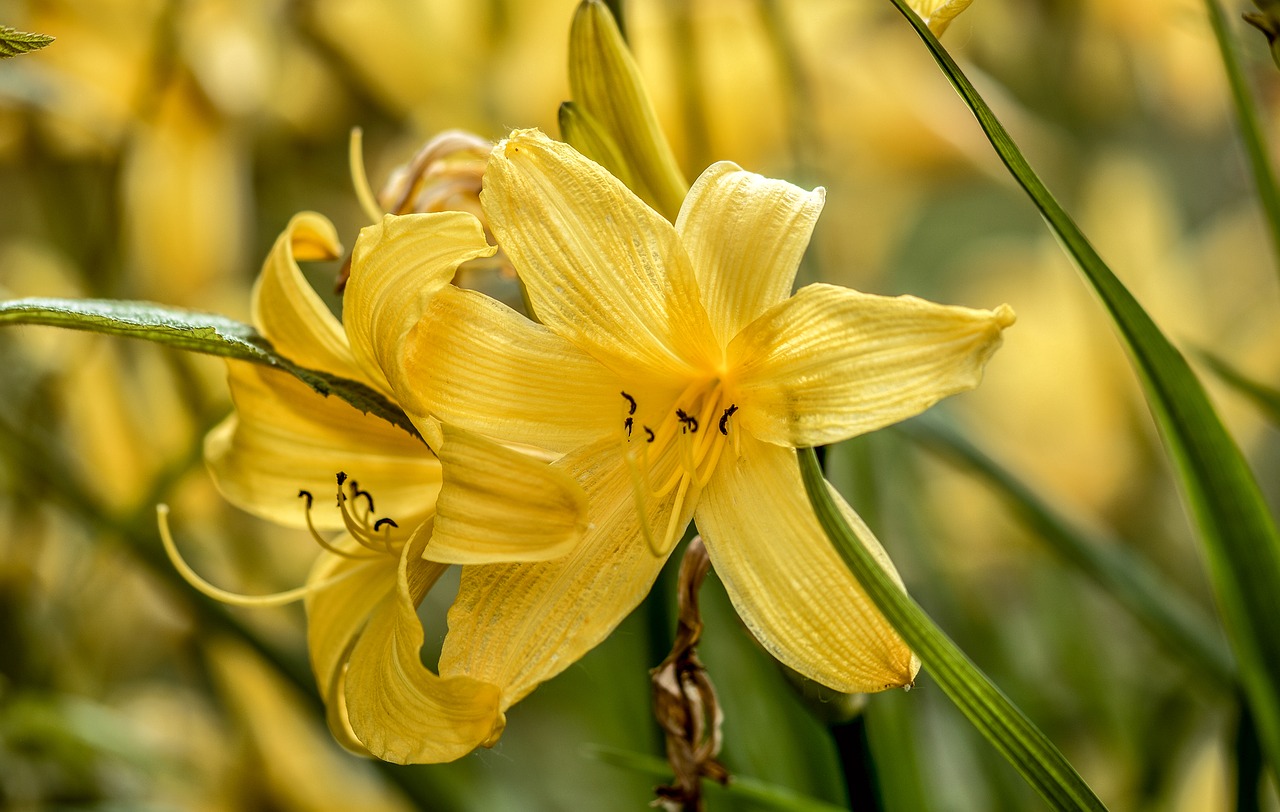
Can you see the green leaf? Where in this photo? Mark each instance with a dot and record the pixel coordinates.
(1170, 616)
(196, 332)
(1251, 131)
(1236, 530)
(990, 711)
(607, 86)
(740, 787)
(1266, 398)
(14, 42)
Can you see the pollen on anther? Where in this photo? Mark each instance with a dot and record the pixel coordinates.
(627, 424)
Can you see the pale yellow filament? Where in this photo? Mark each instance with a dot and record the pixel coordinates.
(233, 598)
(359, 179)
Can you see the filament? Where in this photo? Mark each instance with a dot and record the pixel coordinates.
(359, 179)
(234, 598)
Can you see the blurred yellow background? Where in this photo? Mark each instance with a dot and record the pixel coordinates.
(156, 149)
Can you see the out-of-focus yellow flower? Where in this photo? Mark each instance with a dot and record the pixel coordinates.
(676, 378)
(285, 442)
(938, 14)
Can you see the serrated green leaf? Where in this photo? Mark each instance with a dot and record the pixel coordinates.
(990, 711)
(740, 787)
(14, 42)
(195, 332)
(1236, 530)
(1168, 614)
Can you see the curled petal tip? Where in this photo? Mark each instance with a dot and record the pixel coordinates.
(1005, 317)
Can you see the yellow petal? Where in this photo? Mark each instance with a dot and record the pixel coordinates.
(291, 314)
(501, 506)
(831, 363)
(396, 267)
(745, 235)
(401, 710)
(475, 362)
(336, 615)
(787, 581)
(601, 268)
(519, 625)
(606, 83)
(938, 14)
(285, 437)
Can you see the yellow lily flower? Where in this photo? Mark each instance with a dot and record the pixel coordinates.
(675, 377)
(282, 448)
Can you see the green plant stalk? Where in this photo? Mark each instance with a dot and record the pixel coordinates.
(740, 788)
(998, 719)
(1250, 126)
(1167, 613)
(1235, 528)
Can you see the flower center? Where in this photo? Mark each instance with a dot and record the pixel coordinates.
(699, 423)
(374, 536)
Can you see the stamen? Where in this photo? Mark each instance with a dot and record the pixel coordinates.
(627, 424)
(669, 537)
(724, 418)
(649, 434)
(639, 492)
(359, 179)
(689, 423)
(631, 403)
(378, 525)
(321, 540)
(233, 598)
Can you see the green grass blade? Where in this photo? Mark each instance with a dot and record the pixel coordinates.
(740, 788)
(1265, 398)
(999, 720)
(1235, 528)
(196, 332)
(1251, 133)
(1170, 616)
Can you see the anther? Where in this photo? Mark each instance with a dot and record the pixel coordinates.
(724, 418)
(356, 493)
(627, 424)
(690, 423)
(384, 521)
(631, 403)
(342, 477)
(649, 436)
(305, 494)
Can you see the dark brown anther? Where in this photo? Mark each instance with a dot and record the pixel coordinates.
(384, 521)
(305, 494)
(649, 436)
(631, 403)
(684, 700)
(690, 423)
(724, 418)
(627, 424)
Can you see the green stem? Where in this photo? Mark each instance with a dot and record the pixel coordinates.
(990, 711)
(1250, 126)
(1235, 528)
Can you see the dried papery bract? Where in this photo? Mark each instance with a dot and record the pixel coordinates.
(684, 699)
